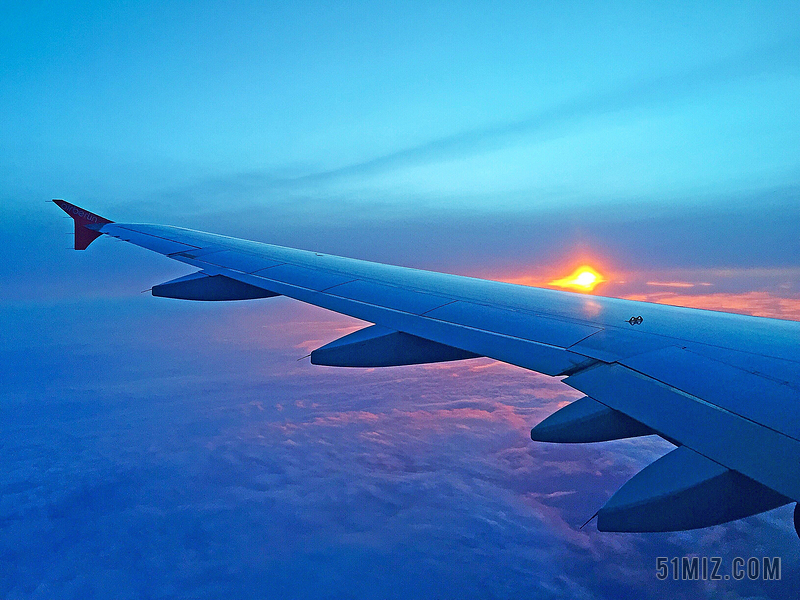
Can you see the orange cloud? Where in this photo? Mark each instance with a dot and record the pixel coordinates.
(758, 304)
(676, 284)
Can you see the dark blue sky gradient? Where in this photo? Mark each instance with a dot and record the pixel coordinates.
(155, 448)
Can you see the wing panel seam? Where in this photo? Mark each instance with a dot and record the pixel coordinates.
(159, 237)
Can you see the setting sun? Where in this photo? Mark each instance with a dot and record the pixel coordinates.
(584, 278)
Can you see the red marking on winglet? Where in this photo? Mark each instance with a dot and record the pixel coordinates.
(87, 224)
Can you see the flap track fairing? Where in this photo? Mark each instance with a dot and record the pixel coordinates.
(381, 347)
(587, 420)
(684, 490)
(202, 286)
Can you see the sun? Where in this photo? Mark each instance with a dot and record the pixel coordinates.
(584, 278)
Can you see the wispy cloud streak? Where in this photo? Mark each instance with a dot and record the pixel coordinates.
(643, 92)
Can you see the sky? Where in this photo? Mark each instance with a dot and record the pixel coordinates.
(155, 448)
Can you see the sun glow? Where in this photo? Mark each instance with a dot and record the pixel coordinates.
(584, 278)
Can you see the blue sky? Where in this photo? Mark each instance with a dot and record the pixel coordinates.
(428, 104)
(474, 137)
(153, 447)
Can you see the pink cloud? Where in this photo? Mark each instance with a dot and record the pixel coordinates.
(759, 304)
(677, 284)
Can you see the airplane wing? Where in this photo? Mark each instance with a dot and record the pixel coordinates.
(723, 388)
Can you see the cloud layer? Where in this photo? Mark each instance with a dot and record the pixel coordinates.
(181, 449)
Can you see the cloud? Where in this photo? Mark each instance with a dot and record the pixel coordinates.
(759, 304)
(676, 284)
(166, 467)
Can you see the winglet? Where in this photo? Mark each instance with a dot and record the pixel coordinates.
(87, 225)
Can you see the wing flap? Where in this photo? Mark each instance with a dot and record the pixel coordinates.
(756, 398)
